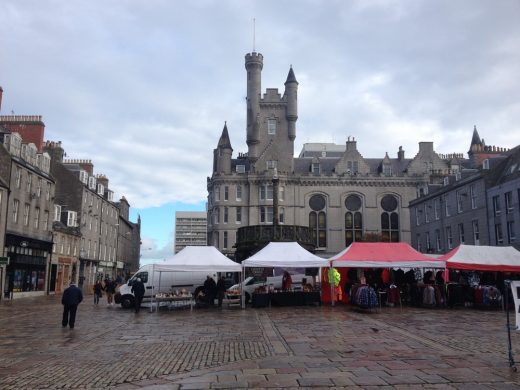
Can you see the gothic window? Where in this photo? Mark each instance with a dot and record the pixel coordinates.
(353, 220)
(318, 220)
(389, 219)
(271, 126)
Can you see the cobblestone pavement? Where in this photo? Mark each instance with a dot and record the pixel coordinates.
(298, 347)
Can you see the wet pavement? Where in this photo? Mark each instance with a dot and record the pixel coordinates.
(296, 347)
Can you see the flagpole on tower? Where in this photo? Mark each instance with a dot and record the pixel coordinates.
(254, 37)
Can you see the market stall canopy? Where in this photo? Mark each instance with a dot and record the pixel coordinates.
(384, 255)
(483, 258)
(198, 258)
(285, 255)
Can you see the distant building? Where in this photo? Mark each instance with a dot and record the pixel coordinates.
(190, 229)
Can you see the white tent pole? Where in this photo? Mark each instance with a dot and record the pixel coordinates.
(242, 294)
(152, 297)
(331, 281)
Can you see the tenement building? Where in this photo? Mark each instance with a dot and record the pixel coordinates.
(476, 205)
(28, 208)
(334, 190)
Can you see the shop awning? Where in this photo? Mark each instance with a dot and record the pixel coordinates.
(384, 255)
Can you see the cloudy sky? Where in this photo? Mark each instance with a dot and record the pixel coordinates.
(143, 87)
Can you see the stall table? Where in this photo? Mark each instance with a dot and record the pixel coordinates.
(286, 298)
(176, 302)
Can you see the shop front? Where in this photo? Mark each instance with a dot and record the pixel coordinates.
(26, 274)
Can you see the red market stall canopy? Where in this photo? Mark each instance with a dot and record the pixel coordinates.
(483, 258)
(384, 255)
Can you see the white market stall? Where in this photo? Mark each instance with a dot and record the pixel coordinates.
(483, 258)
(283, 255)
(195, 259)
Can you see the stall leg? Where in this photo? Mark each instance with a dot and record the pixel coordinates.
(512, 364)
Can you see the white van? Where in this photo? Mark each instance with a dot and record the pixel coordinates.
(164, 282)
(251, 283)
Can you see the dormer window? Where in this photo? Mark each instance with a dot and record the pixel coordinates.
(271, 164)
(485, 164)
(387, 170)
(83, 177)
(92, 183)
(446, 181)
(101, 189)
(72, 218)
(271, 126)
(110, 196)
(315, 168)
(241, 168)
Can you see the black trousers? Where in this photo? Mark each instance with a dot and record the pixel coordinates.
(69, 315)
(138, 301)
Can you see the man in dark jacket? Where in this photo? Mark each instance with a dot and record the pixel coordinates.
(138, 291)
(72, 296)
(210, 290)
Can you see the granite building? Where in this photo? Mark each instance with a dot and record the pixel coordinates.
(334, 190)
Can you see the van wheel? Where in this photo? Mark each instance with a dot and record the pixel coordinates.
(198, 290)
(127, 302)
(248, 297)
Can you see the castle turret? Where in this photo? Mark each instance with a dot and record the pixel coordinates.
(254, 64)
(291, 94)
(222, 154)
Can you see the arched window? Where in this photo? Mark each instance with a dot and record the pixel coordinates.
(389, 219)
(353, 220)
(318, 220)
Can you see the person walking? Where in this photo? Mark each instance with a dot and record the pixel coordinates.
(138, 291)
(110, 288)
(72, 297)
(98, 291)
(221, 290)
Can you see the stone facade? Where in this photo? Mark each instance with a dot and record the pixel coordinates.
(477, 206)
(333, 189)
(28, 234)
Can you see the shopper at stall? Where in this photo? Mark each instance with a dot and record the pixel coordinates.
(138, 291)
(286, 281)
(72, 296)
(221, 290)
(98, 291)
(210, 290)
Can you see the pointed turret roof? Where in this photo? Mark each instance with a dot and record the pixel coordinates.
(475, 140)
(224, 141)
(291, 78)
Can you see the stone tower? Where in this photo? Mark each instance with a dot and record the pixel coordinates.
(271, 120)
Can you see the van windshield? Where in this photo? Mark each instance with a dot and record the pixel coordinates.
(142, 275)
